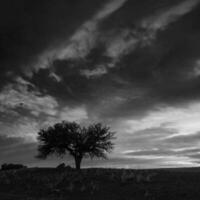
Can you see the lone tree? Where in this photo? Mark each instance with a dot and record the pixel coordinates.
(79, 142)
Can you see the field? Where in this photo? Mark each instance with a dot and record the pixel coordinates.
(100, 184)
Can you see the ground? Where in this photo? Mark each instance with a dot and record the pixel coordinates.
(100, 184)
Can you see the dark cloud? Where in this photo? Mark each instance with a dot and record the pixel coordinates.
(161, 71)
(165, 68)
(29, 27)
(141, 9)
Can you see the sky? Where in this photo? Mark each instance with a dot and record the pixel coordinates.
(132, 65)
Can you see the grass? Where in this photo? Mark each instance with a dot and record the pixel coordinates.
(100, 184)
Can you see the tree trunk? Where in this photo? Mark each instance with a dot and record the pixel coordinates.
(78, 162)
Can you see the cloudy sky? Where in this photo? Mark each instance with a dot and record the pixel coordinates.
(133, 65)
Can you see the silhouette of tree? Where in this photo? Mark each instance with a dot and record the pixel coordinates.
(79, 142)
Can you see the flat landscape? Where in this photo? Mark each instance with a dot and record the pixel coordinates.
(100, 184)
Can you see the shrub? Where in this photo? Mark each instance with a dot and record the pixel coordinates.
(11, 166)
(68, 167)
(61, 166)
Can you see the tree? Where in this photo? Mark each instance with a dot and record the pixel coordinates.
(79, 142)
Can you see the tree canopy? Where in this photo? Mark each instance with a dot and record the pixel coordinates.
(69, 137)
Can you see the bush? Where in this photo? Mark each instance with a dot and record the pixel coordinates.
(61, 166)
(11, 166)
(68, 167)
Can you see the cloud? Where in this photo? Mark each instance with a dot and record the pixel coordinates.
(84, 39)
(128, 39)
(30, 28)
(8, 142)
(183, 120)
(195, 72)
(122, 43)
(12, 150)
(25, 128)
(187, 152)
(73, 114)
(55, 77)
(79, 44)
(20, 95)
(170, 157)
(163, 18)
(192, 139)
(97, 72)
(164, 134)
